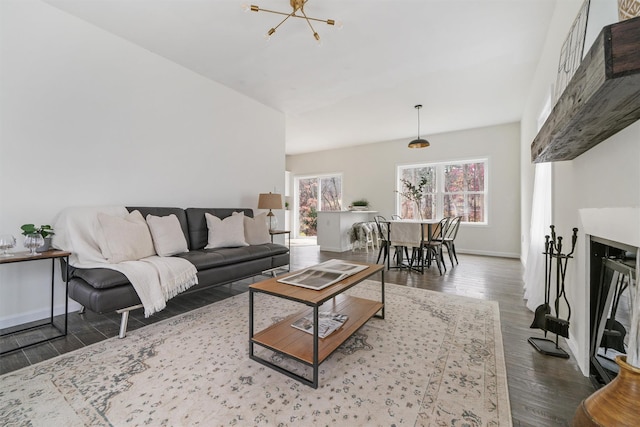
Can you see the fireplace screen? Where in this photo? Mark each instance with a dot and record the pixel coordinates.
(612, 278)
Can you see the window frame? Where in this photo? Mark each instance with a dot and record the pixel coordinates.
(440, 185)
(295, 219)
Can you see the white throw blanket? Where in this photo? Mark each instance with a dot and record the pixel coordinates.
(405, 233)
(155, 279)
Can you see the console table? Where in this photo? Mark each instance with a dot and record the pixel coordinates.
(53, 255)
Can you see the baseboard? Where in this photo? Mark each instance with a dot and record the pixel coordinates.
(32, 316)
(488, 253)
(332, 249)
(460, 251)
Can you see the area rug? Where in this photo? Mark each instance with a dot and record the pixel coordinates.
(435, 360)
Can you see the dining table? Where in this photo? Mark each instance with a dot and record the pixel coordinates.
(410, 233)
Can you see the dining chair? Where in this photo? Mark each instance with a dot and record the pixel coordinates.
(361, 235)
(375, 234)
(383, 232)
(450, 237)
(433, 244)
(401, 253)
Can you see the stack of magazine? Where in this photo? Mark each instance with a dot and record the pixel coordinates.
(328, 322)
(322, 275)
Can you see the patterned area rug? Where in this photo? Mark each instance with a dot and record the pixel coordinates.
(436, 360)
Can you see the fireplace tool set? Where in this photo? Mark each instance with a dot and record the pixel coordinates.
(543, 317)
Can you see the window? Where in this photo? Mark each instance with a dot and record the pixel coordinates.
(329, 188)
(417, 178)
(444, 189)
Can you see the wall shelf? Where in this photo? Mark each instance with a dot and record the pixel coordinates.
(602, 98)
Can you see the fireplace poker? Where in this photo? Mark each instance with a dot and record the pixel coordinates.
(555, 324)
(543, 309)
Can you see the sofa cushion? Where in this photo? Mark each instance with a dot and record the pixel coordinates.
(210, 258)
(198, 231)
(256, 230)
(103, 300)
(165, 211)
(124, 238)
(225, 233)
(167, 235)
(101, 278)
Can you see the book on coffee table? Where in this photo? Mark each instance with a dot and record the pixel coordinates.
(328, 322)
(322, 275)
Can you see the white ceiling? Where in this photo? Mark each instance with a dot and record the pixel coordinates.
(468, 62)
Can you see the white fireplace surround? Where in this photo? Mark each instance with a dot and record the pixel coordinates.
(616, 224)
(620, 224)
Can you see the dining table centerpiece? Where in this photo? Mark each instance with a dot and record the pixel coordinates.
(414, 192)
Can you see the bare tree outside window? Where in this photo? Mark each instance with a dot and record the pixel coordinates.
(418, 193)
(317, 192)
(464, 191)
(331, 193)
(447, 189)
(307, 206)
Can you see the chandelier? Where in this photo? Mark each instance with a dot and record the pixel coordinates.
(298, 7)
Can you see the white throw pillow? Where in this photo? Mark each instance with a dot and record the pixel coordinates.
(125, 238)
(225, 233)
(256, 230)
(168, 238)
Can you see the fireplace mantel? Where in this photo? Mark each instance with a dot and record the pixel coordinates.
(602, 98)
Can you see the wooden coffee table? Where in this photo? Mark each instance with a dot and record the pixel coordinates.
(304, 347)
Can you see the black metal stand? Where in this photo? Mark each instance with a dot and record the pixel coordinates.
(553, 323)
(548, 347)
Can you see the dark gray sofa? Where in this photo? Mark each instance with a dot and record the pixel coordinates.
(103, 290)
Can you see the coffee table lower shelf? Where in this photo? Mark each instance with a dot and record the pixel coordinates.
(299, 345)
(284, 338)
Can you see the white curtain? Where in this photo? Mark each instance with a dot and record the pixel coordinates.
(633, 353)
(540, 221)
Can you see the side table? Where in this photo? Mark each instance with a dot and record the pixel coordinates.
(53, 255)
(277, 232)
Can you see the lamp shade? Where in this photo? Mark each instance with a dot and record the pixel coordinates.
(419, 143)
(270, 201)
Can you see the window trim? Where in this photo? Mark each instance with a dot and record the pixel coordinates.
(295, 208)
(439, 172)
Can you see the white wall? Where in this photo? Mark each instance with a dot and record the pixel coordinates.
(605, 176)
(369, 171)
(88, 118)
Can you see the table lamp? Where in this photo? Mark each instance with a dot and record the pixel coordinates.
(270, 201)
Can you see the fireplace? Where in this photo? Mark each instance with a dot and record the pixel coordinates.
(612, 269)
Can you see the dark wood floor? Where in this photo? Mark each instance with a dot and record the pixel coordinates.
(544, 391)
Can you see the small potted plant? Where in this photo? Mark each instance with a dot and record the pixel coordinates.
(360, 205)
(46, 231)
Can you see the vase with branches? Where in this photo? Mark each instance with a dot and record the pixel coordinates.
(414, 192)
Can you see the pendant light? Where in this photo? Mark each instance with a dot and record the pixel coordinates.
(419, 142)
